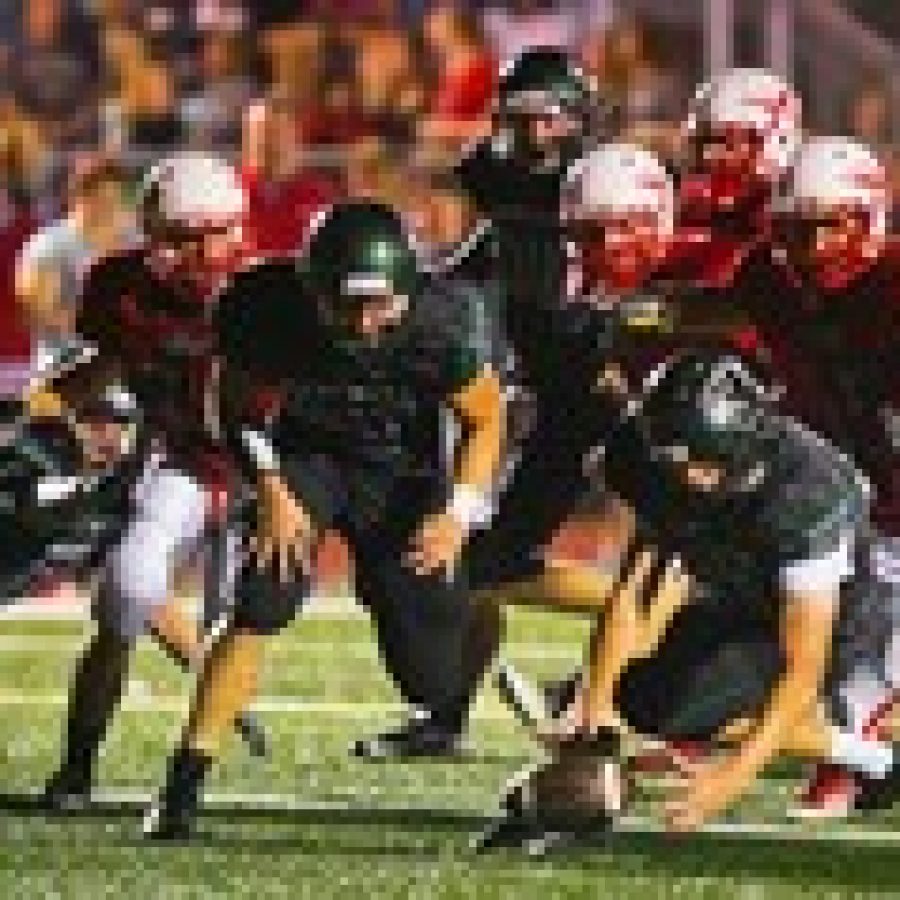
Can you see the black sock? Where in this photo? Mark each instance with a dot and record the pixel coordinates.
(185, 777)
(96, 691)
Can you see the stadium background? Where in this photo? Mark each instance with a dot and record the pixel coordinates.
(316, 99)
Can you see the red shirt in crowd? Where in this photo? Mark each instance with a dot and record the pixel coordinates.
(466, 92)
(279, 212)
(15, 344)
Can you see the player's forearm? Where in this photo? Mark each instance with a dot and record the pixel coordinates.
(806, 641)
(484, 419)
(789, 701)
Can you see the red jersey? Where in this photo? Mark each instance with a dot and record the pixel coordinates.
(836, 354)
(279, 213)
(158, 333)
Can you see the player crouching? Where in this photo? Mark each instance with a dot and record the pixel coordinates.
(372, 356)
(767, 519)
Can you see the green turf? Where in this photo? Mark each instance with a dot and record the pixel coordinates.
(326, 826)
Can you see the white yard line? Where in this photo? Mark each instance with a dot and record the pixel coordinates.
(171, 704)
(281, 802)
(361, 648)
(76, 607)
(134, 702)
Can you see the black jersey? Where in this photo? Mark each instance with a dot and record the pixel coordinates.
(375, 406)
(806, 498)
(521, 246)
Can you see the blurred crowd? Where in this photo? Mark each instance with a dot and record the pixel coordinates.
(311, 97)
(357, 86)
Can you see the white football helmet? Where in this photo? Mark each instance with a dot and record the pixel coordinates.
(754, 98)
(621, 178)
(837, 171)
(194, 190)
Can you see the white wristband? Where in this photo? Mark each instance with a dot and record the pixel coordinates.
(470, 506)
(260, 449)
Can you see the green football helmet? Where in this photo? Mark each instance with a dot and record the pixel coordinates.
(543, 78)
(360, 250)
(544, 82)
(707, 407)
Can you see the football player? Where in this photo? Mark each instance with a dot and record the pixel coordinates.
(741, 134)
(763, 521)
(146, 312)
(547, 113)
(372, 356)
(831, 336)
(614, 322)
(618, 210)
(64, 483)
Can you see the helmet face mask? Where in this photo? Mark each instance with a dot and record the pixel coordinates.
(618, 249)
(364, 315)
(819, 241)
(543, 135)
(196, 254)
(726, 151)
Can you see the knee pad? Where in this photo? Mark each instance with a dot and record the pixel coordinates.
(264, 605)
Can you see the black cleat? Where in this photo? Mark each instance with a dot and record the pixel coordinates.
(254, 735)
(878, 793)
(69, 790)
(417, 739)
(172, 815)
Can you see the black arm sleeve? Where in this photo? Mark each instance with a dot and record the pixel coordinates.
(263, 318)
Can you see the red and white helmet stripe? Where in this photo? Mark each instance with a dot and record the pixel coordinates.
(195, 189)
(621, 178)
(757, 99)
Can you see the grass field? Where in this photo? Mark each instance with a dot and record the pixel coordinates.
(312, 823)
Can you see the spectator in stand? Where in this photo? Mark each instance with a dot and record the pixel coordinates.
(465, 75)
(629, 61)
(25, 154)
(144, 119)
(15, 345)
(282, 194)
(53, 262)
(389, 88)
(517, 25)
(53, 68)
(291, 44)
(222, 90)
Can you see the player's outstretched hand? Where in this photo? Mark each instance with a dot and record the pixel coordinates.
(436, 545)
(284, 532)
(705, 789)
